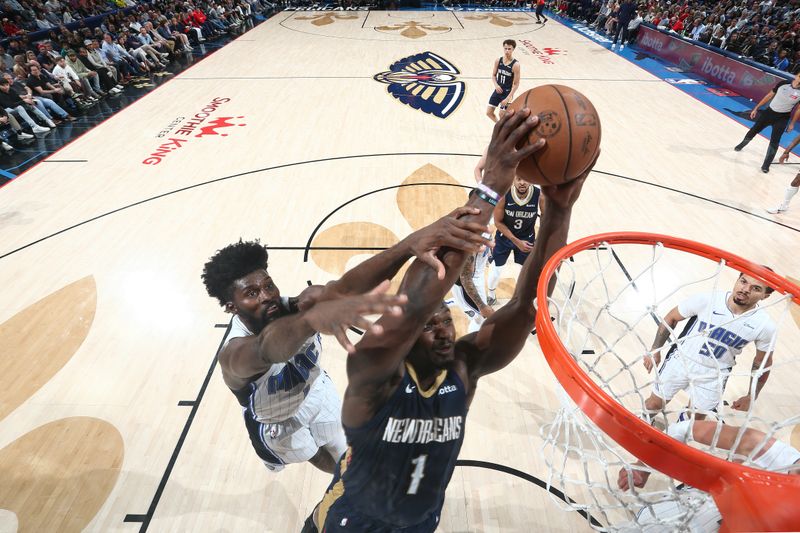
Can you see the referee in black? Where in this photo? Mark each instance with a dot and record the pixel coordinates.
(782, 99)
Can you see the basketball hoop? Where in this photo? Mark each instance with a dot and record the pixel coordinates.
(594, 294)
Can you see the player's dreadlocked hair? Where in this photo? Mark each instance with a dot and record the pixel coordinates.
(231, 263)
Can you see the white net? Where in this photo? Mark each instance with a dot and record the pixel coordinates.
(608, 305)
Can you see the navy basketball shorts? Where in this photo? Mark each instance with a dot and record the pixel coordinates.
(344, 518)
(495, 99)
(503, 248)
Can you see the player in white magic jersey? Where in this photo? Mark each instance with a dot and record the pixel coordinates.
(720, 325)
(774, 455)
(469, 291)
(270, 358)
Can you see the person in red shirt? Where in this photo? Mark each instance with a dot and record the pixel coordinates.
(677, 27)
(9, 28)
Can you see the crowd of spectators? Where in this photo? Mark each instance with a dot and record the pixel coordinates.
(48, 77)
(765, 31)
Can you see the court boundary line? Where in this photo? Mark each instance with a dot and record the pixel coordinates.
(532, 30)
(360, 156)
(145, 519)
(458, 20)
(532, 479)
(481, 78)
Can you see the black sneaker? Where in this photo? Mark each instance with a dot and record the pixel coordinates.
(765, 170)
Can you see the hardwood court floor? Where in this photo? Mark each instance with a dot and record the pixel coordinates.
(107, 334)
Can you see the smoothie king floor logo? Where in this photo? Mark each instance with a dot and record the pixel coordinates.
(426, 82)
(183, 130)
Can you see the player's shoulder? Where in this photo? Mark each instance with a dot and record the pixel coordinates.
(761, 314)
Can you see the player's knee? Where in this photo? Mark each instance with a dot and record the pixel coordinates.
(653, 403)
(750, 440)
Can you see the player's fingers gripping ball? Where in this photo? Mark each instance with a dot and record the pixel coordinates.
(571, 126)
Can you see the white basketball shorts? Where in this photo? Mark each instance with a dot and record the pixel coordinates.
(468, 306)
(317, 424)
(704, 382)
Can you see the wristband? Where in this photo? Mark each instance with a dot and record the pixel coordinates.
(488, 192)
(486, 198)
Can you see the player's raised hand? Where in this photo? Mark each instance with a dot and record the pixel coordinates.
(503, 156)
(448, 232)
(742, 404)
(334, 317)
(566, 194)
(652, 360)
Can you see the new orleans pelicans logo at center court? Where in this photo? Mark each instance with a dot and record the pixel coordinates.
(426, 82)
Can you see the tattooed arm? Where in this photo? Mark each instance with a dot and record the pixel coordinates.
(664, 329)
(468, 283)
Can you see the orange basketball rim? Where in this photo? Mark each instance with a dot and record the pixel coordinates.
(746, 497)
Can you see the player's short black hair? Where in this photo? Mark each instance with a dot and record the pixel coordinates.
(512, 42)
(233, 262)
(767, 288)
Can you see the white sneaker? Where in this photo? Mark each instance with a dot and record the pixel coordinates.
(7, 147)
(777, 210)
(613, 47)
(51, 124)
(40, 129)
(621, 47)
(23, 135)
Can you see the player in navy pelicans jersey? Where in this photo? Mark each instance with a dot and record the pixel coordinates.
(505, 74)
(270, 358)
(515, 217)
(409, 390)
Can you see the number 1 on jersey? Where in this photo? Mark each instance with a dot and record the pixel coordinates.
(417, 474)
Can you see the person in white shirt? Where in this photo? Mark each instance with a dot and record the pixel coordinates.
(70, 81)
(697, 29)
(720, 325)
(633, 26)
(117, 55)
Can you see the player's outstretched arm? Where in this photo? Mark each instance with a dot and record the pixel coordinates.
(423, 244)
(665, 328)
(503, 335)
(246, 357)
(378, 358)
(468, 283)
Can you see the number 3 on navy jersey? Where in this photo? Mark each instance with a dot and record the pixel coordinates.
(417, 474)
(518, 224)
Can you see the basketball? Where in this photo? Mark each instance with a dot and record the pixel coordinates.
(571, 128)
